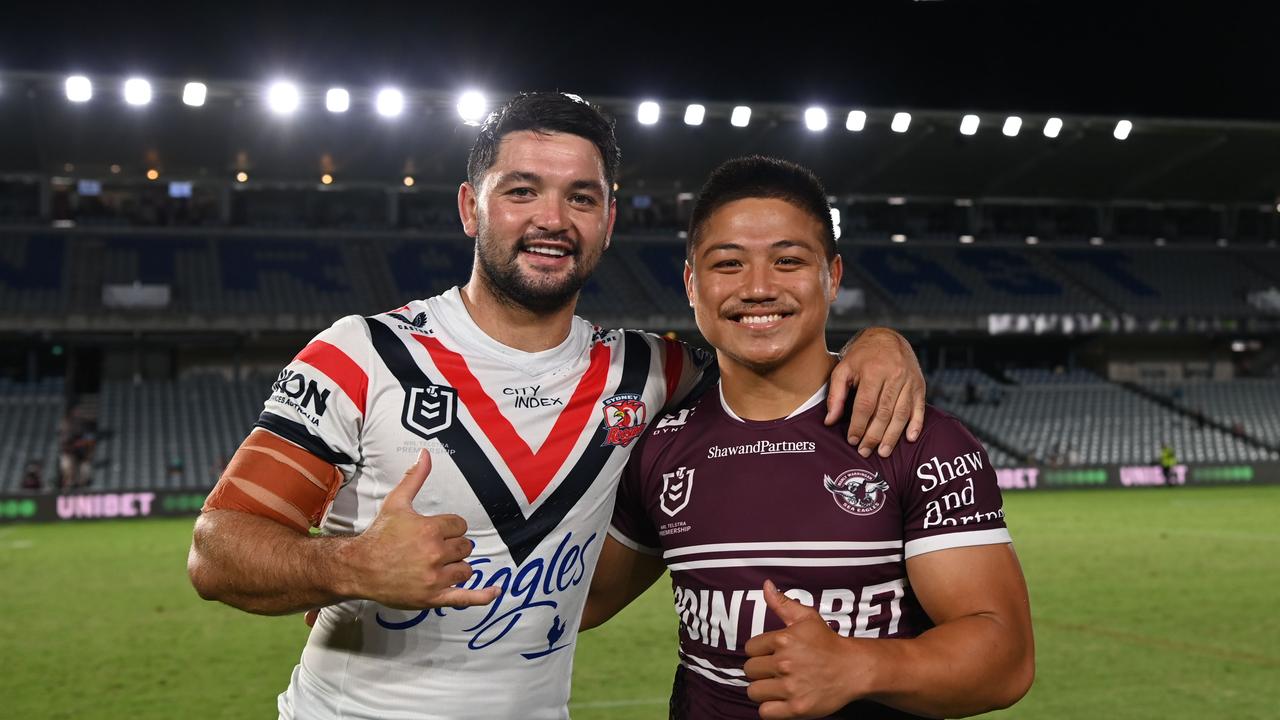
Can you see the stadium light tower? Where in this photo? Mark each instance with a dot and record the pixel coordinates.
(1052, 127)
(901, 121)
(283, 98)
(694, 114)
(647, 113)
(1123, 128)
(472, 107)
(337, 100)
(194, 94)
(741, 116)
(137, 91)
(79, 89)
(389, 102)
(969, 125)
(815, 118)
(856, 121)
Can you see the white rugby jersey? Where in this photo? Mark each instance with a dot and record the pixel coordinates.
(527, 447)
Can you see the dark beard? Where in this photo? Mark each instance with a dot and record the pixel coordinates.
(512, 288)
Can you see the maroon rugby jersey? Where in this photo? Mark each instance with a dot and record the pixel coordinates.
(730, 502)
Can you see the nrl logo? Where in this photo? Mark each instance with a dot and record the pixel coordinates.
(677, 488)
(625, 416)
(857, 492)
(430, 409)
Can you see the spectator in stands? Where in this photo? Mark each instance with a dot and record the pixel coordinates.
(32, 474)
(173, 471)
(76, 443)
(1167, 462)
(1073, 455)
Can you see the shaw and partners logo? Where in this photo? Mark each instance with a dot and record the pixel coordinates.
(761, 447)
(526, 590)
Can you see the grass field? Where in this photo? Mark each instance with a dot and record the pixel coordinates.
(1155, 603)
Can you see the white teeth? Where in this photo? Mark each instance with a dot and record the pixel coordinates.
(549, 252)
(759, 319)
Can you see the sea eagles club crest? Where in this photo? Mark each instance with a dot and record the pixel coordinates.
(625, 416)
(430, 409)
(857, 491)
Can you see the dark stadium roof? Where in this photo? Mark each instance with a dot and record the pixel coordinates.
(1190, 160)
(1196, 79)
(1140, 57)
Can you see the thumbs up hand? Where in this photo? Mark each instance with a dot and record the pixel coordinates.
(410, 561)
(803, 670)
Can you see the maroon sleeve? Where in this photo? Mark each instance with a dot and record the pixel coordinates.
(631, 524)
(951, 498)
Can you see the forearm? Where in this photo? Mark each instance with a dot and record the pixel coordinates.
(603, 605)
(970, 665)
(621, 575)
(260, 566)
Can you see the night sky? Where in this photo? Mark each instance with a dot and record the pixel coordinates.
(1167, 59)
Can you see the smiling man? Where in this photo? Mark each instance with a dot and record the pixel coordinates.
(903, 597)
(459, 595)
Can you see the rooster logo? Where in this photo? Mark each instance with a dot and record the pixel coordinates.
(625, 417)
(857, 492)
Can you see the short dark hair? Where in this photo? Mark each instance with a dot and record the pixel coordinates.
(757, 176)
(545, 112)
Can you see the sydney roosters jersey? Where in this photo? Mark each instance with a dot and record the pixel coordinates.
(527, 447)
(728, 503)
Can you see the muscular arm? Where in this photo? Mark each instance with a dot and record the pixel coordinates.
(261, 566)
(979, 657)
(253, 561)
(621, 575)
(981, 654)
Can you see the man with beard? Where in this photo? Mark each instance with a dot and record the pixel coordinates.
(461, 596)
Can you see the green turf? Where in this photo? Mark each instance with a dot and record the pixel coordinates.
(1152, 603)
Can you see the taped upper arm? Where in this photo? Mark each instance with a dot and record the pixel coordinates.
(273, 478)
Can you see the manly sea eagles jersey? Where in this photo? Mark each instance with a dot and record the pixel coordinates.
(728, 503)
(527, 447)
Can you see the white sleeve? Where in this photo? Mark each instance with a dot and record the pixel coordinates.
(318, 400)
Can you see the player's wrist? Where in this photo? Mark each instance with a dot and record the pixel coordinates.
(348, 566)
(865, 669)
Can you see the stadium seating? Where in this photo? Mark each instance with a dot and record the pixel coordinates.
(953, 280)
(1251, 404)
(29, 414)
(1166, 281)
(1078, 419)
(174, 435)
(314, 278)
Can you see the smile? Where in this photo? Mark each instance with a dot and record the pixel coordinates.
(547, 251)
(759, 319)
